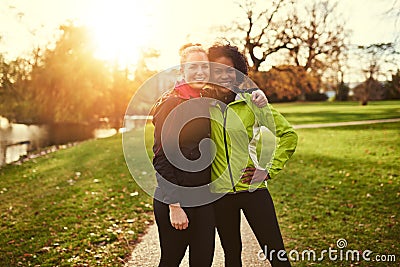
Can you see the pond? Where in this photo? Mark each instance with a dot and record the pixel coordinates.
(17, 140)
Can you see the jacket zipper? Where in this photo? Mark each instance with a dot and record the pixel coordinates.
(225, 115)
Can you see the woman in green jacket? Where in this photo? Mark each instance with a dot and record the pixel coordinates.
(243, 162)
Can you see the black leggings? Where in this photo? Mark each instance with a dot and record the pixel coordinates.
(259, 210)
(199, 236)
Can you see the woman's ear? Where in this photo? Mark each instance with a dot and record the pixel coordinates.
(182, 69)
(181, 72)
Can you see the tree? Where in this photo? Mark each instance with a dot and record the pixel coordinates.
(394, 12)
(393, 86)
(150, 91)
(263, 32)
(124, 87)
(120, 93)
(371, 89)
(318, 36)
(14, 96)
(286, 82)
(311, 37)
(342, 66)
(65, 84)
(377, 60)
(342, 92)
(69, 82)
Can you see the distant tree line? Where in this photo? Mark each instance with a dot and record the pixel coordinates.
(64, 83)
(310, 43)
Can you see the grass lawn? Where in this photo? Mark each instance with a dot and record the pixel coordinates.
(342, 182)
(81, 207)
(324, 112)
(74, 207)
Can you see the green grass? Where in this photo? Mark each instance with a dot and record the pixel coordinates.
(81, 207)
(325, 112)
(342, 183)
(74, 207)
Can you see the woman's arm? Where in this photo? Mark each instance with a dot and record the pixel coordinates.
(166, 177)
(286, 143)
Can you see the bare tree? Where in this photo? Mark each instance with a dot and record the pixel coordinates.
(394, 11)
(375, 57)
(308, 36)
(318, 36)
(376, 60)
(393, 86)
(263, 31)
(312, 33)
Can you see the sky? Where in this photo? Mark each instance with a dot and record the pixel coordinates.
(123, 27)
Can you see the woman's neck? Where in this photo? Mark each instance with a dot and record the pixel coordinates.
(227, 97)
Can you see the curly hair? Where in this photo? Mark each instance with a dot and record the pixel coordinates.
(226, 50)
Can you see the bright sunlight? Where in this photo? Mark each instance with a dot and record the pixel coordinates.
(120, 29)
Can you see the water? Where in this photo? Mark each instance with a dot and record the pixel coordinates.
(16, 140)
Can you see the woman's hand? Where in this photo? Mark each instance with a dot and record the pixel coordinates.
(254, 175)
(178, 217)
(259, 99)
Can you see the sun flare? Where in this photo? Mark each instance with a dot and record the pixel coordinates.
(120, 30)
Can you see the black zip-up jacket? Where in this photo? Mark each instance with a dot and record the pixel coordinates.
(192, 118)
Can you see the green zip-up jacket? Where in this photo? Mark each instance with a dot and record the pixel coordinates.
(247, 136)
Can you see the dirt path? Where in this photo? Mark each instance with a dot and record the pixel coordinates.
(147, 252)
(346, 123)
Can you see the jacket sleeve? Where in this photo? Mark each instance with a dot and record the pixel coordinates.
(286, 140)
(166, 177)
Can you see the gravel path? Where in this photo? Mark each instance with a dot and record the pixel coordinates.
(346, 123)
(147, 252)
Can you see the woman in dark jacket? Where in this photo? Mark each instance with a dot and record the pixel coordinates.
(172, 211)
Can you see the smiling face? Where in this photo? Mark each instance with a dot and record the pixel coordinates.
(196, 69)
(224, 74)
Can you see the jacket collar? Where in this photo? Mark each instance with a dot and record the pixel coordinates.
(185, 91)
(240, 98)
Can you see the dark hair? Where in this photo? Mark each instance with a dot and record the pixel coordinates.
(226, 50)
